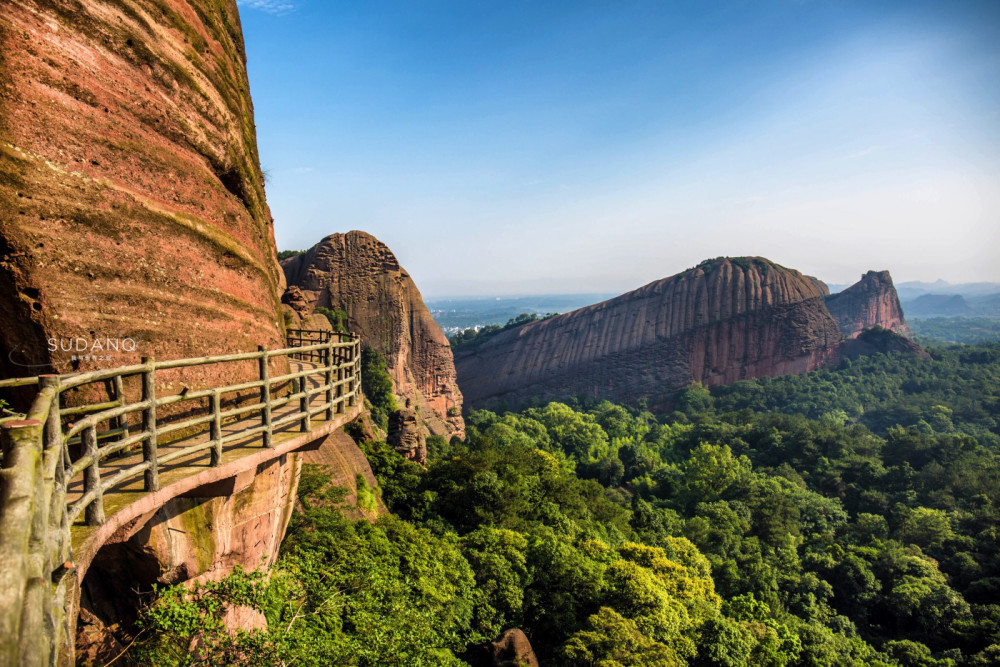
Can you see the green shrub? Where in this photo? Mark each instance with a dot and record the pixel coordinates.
(366, 495)
(377, 385)
(337, 318)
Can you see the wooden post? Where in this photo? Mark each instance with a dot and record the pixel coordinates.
(265, 396)
(120, 395)
(331, 359)
(352, 400)
(304, 404)
(338, 361)
(52, 434)
(53, 426)
(94, 513)
(216, 428)
(21, 445)
(150, 476)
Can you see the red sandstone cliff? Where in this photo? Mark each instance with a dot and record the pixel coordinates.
(868, 303)
(131, 198)
(357, 273)
(725, 320)
(132, 209)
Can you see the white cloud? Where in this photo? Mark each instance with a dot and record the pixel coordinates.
(269, 6)
(862, 153)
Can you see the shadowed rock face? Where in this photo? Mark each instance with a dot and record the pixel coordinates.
(357, 273)
(725, 320)
(131, 199)
(188, 539)
(870, 302)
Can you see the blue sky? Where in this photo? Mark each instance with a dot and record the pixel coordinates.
(529, 146)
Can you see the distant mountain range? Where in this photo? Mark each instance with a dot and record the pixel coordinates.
(943, 299)
(952, 305)
(915, 288)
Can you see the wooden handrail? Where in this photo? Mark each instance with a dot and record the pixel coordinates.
(334, 375)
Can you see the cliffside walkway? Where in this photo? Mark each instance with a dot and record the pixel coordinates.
(72, 476)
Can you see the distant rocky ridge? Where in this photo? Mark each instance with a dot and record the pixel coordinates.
(357, 273)
(725, 320)
(870, 302)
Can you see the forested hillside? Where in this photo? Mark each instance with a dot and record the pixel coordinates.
(847, 516)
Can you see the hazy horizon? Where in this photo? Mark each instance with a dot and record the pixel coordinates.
(834, 286)
(581, 147)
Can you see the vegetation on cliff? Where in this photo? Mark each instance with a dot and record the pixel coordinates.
(725, 533)
(473, 337)
(337, 317)
(377, 382)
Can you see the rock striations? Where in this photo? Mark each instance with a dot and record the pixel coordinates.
(870, 302)
(725, 320)
(133, 223)
(357, 273)
(131, 198)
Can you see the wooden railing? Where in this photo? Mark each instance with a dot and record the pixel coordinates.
(307, 338)
(101, 431)
(38, 508)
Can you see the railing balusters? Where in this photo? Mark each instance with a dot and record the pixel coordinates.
(53, 426)
(330, 359)
(216, 428)
(265, 397)
(94, 513)
(353, 383)
(304, 403)
(120, 395)
(151, 476)
(329, 371)
(338, 360)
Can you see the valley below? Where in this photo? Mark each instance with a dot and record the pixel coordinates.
(216, 453)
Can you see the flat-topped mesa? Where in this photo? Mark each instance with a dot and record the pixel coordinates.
(131, 195)
(870, 302)
(357, 273)
(726, 319)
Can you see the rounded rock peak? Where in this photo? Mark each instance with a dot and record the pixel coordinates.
(788, 284)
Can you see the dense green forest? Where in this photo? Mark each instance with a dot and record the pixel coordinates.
(936, 330)
(848, 516)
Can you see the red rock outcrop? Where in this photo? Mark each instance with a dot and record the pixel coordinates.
(344, 460)
(722, 321)
(405, 435)
(131, 199)
(870, 302)
(357, 273)
(190, 539)
(513, 649)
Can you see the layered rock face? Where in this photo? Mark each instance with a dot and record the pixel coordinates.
(131, 199)
(725, 320)
(357, 273)
(188, 539)
(344, 461)
(870, 302)
(405, 435)
(133, 216)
